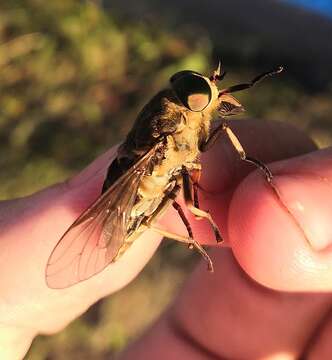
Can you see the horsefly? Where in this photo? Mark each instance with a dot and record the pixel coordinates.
(159, 157)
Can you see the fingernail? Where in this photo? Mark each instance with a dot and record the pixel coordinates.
(308, 198)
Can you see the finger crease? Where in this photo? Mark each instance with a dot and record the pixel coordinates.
(313, 339)
(183, 334)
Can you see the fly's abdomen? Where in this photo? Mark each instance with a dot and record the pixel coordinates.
(152, 195)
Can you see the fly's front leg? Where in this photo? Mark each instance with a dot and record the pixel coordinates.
(199, 213)
(224, 127)
(243, 156)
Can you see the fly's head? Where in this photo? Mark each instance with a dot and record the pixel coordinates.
(200, 94)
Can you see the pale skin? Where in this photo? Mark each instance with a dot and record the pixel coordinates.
(221, 315)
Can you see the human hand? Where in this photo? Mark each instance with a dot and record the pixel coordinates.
(31, 227)
(284, 245)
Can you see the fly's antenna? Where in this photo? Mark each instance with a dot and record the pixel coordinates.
(253, 82)
(217, 75)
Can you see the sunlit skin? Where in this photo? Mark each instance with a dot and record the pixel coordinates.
(221, 315)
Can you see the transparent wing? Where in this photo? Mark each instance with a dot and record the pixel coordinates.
(95, 238)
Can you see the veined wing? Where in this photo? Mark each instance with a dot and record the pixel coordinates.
(94, 239)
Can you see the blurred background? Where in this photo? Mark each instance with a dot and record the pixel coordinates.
(74, 74)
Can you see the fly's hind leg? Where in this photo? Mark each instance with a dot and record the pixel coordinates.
(187, 240)
(199, 213)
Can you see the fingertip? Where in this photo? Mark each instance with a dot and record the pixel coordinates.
(257, 226)
(276, 237)
(223, 171)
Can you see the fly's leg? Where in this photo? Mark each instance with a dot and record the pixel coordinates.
(195, 190)
(243, 156)
(199, 213)
(197, 186)
(224, 127)
(187, 240)
(171, 196)
(185, 221)
(266, 171)
(195, 175)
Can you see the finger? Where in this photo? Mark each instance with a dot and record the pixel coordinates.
(32, 227)
(223, 170)
(284, 240)
(49, 214)
(226, 315)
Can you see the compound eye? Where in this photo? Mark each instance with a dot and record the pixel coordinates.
(192, 89)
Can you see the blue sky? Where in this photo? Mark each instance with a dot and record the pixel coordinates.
(323, 6)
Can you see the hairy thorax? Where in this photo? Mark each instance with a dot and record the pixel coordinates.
(182, 149)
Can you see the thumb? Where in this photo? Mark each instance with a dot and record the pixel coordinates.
(283, 238)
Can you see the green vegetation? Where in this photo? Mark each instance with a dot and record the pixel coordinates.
(72, 79)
